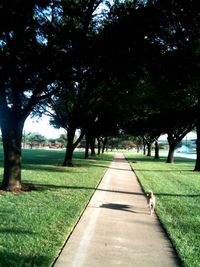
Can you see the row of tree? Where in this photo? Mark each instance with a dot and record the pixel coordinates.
(100, 67)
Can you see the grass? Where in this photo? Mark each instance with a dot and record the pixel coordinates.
(34, 225)
(177, 189)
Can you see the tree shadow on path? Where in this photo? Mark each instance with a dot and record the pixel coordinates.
(124, 207)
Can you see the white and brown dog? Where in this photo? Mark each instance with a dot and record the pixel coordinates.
(151, 200)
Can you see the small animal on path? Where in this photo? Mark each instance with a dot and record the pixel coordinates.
(151, 200)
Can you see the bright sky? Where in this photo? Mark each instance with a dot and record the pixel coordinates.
(42, 126)
(189, 136)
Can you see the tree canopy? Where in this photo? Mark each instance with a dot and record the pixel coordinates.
(125, 64)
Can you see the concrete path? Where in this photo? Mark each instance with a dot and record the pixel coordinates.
(116, 228)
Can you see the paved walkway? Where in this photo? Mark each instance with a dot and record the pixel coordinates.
(116, 228)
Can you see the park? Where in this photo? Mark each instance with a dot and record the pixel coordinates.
(36, 223)
(115, 76)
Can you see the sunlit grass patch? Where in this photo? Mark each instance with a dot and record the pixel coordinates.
(177, 189)
(35, 224)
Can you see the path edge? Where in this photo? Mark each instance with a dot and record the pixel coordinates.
(179, 260)
(81, 214)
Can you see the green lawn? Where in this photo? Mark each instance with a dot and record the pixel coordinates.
(177, 188)
(34, 225)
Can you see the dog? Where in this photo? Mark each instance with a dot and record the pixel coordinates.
(151, 200)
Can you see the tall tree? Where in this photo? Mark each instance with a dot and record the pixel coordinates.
(24, 79)
(33, 63)
(174, 65)
(69, 108)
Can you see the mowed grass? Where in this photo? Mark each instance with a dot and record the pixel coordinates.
(34, 225)
(177, 189)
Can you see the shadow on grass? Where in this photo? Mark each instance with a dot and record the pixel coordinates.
(182, 160)
(44, 187)
(17, 260)
(48, 168)
(161, 159)
(112, 168)
(144, 159)
(55, 168)
(49, 157)
(52, 167)
(166, 170)
(176, 195)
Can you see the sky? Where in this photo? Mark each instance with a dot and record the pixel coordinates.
(41, 125)
(189, 136)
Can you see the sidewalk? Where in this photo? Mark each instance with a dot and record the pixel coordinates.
(116, 228)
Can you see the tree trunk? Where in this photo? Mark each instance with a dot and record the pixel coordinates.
(144, 148)
(149, 146)
(12, 138)
(68, 155)
(170, 157)
(69, 148)
(197, 164)
(86, 147)
(71, 145)
(104, 144)
(99, 145)
(92, 146)
(174, 140)
(156, 150)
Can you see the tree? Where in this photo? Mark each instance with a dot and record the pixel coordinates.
(69, 108)
(167, 47)
(62, 139)
(34, 62)
(170, 69)
(25, 77)
(65, 113)
(36, 139)
(176, 68)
